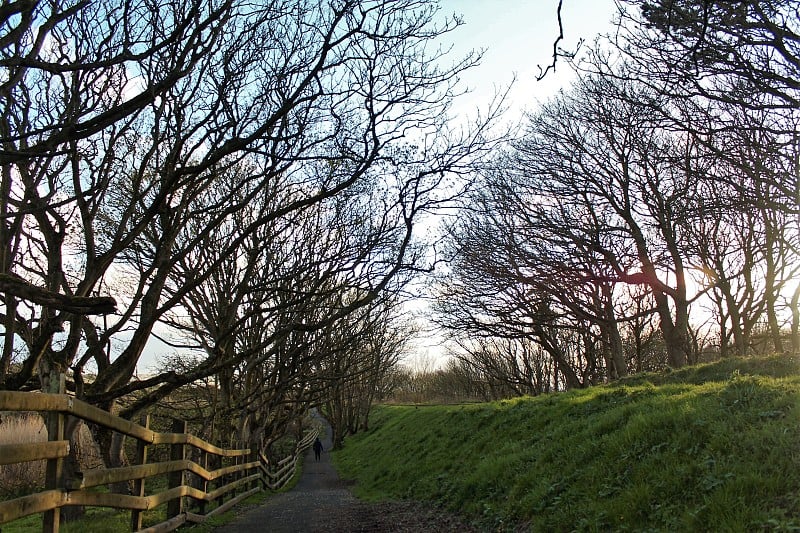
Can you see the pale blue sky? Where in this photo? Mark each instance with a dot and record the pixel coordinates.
(518, 37)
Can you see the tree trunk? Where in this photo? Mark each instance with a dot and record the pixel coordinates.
(112, 451)
(614, 339)
(72, 466)
(740, 337)
(796, 320)
(771, 301)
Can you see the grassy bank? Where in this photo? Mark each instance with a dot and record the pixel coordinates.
(713, 447)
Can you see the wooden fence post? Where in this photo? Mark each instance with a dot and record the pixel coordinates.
(253, 458)
(237, 460)
(138, 484)
(177, 453)
(202, 482)
(54, 472)
(221, 462)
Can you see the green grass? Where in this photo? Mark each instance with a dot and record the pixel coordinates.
(711, 447)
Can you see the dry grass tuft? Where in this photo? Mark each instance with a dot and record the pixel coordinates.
(21, 428)
(24, 428)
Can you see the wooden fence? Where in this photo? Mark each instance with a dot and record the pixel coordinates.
(239, 473)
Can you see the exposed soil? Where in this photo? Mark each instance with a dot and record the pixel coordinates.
(322, 502)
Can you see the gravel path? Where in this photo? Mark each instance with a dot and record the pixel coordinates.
(321, 502)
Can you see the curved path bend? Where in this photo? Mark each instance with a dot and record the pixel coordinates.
(321, 502)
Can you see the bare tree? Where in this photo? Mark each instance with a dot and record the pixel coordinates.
(492, 287)
(506, 368)
(732, 71)
(731, 52)
(120, 123)
(263, 311)
(146, 148)
(596, 196)
(362, 351)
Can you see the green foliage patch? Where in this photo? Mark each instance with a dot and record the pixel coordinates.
(715, 446)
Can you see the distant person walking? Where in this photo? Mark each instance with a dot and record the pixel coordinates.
(317, 448)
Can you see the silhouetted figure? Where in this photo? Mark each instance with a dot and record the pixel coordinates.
(317, 448)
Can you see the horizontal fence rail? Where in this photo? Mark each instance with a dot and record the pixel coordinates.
(250, 472)
(285, 469)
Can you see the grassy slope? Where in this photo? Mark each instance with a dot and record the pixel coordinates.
(709, 447)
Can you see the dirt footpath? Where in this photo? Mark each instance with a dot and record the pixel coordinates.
(321, 502)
